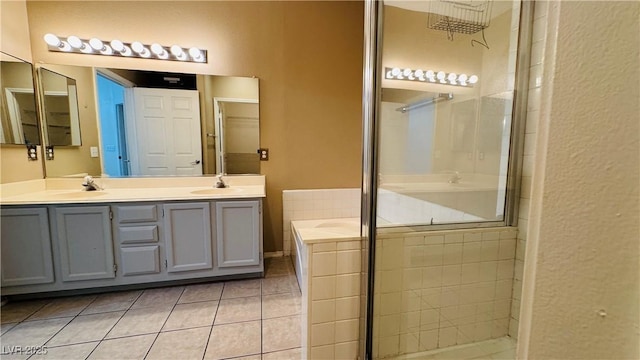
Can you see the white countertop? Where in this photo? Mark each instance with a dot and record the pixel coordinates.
(339, 229)
(69, 191)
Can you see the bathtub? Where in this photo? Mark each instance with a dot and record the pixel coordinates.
(327, 260)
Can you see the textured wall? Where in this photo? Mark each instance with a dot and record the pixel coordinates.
(581, 279)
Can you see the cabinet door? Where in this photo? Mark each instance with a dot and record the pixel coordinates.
(238, 233)
(187, 236)
(86, 247)
(26, 247)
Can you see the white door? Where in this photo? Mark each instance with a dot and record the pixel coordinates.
(167, 127)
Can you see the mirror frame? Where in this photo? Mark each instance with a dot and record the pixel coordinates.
(74, 113)
(38, 114)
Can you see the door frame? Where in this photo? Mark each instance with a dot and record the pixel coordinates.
(221, 167)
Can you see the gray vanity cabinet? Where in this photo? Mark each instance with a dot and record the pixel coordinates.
(137, 238)
(26, 247)
(85, 245)
(238, 233)
(187, 233)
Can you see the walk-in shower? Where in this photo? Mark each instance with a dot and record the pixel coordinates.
(443, 105)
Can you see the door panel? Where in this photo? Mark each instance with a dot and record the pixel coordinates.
(188, 236)
(168, 132)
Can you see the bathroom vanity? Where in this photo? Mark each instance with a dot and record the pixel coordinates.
(135, 231)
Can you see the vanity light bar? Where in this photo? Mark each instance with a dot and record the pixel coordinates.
(136, 49)
(430, 76)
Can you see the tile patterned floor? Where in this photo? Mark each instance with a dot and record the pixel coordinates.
(244, 319)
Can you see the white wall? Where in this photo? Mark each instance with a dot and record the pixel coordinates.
(581, 276)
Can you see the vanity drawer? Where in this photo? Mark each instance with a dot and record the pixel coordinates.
(140, 260)
(137, 213)
(138, 234)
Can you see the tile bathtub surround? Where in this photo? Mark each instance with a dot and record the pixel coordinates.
(316, 204)
(333, 300)
(252, 318)
(442, 288)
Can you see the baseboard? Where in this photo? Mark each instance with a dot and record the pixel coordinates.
(273, 254)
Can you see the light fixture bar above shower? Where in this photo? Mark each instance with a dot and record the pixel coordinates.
(419, 104)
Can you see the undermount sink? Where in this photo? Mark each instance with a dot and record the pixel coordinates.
(217, 191)
(80, 194)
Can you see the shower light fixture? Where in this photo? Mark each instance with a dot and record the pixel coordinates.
(430, 76)
(136, 49)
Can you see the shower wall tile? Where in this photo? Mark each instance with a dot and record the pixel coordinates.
(316, 204)
(442, 293)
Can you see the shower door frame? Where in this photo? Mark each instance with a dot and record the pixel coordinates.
(372, 76)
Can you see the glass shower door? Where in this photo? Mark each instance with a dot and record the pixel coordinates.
(446, 140)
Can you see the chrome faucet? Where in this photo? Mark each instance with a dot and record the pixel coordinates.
(90, 184)
(220, 184)
(455, 178)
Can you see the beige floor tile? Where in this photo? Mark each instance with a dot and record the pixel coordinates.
(280, 284)
(237, 310)
(291, 354)
(68, 352)
(18, 311)
(140, 321)
(241, 288)
(278, 267)
(6, 327)
(279, 305)
(166, 297)
(70, 306)
(505, 355)
(281, 333)
(117, 301)
(201, 292)
(181, 344)
(33, 333)
(191, 315)
(86, 328)
(134, 347)
(234, 340)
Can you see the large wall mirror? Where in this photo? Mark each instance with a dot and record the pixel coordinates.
(18, 112)
(60, 109)
(147, 123)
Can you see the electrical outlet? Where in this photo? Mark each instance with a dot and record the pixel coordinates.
(49, 152)
(94, 151)
(264, 154)
(32, 152)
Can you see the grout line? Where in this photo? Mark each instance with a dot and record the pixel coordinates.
(206, 345)
(164, 323)
(116, 323)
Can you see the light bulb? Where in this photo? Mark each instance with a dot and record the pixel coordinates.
(137, 46)
(52, 40)
(126, 51)
(106, 50)
(96, 44)
(441, 75)
(117, 45)
(452, 77)
(140, 49)
(406, 72)
(418, 73)
(196, 54)
(177, 51)
(157, 49)
(75, 42)
(429, 74)
(395, 71)
(389, 75)
(86, 48)
(462, 78)
(64, 46)
(473, 79)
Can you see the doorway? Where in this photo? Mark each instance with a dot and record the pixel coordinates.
(111, 94)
